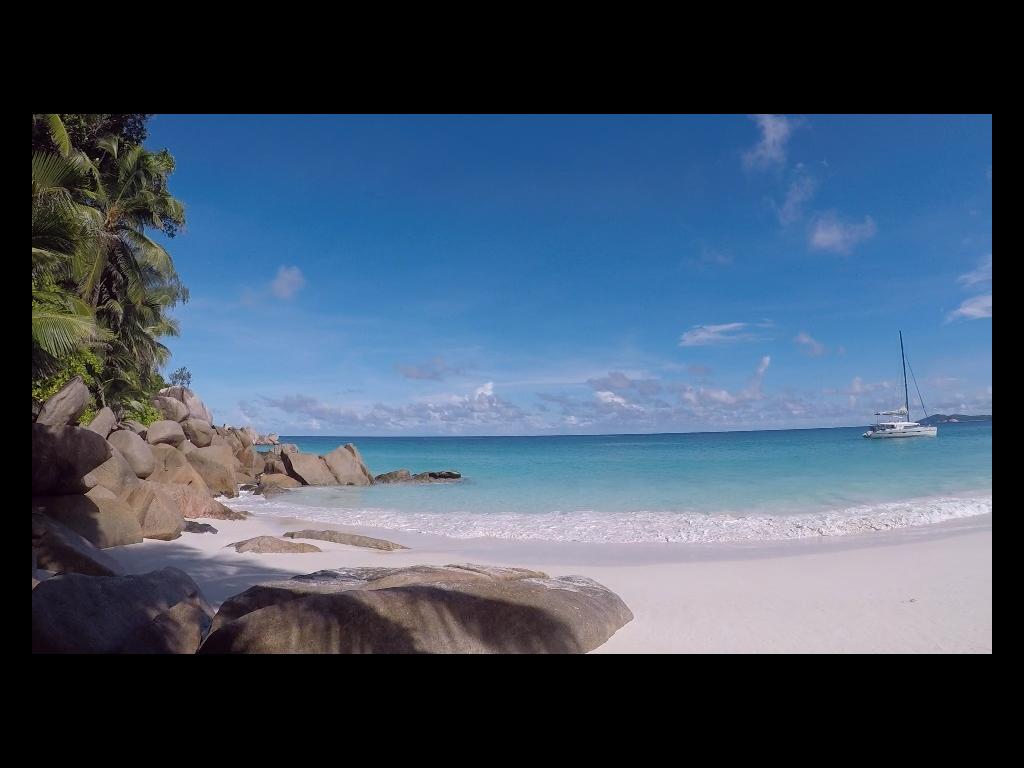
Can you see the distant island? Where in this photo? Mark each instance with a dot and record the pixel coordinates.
(941, 418)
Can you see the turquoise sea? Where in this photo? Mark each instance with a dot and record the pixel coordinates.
(670, 487)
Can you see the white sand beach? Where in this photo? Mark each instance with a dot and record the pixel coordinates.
(925, 589)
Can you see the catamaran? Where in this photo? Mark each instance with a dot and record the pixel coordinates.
(902, 427)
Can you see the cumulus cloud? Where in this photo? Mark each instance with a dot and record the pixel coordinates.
(830, 233)
(615, 402)
(436, 370)
(982, 274)
(801, 191)
(707, 335)
(973, 309)
(810, 345)
(771, 148)
(287, 283)
(482, 410)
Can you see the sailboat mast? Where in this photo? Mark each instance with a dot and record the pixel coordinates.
(906, 397)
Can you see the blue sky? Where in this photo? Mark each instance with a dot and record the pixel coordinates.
(581, 274)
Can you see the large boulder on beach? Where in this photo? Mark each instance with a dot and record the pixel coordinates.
(265, 545)
(158, 513)
(252, 462)
(271, 483)
(165, 432)
(421, 609)
(158, 612)
(198, 431)
(66, 406)
(242, 436)
(196, 408)
(135, 450)
(192, 503)
(62, 458)
(308, 469)
(137, 427)
(103, 422)
(116, 474)
(231, 440)
(215, 465)
(173, 467)
(274, 467)
(170, 409)
(98, 516)
(347, 466)
(57, 548)
(352, 539)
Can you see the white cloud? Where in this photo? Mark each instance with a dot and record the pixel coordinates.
(707, 335)
(771, 149)
(982, 274)
(973, 309)
(829, 233)
(811, 346)
(615, 401)
(800, 191)
(287, 283)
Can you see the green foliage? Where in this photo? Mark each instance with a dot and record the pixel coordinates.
(181, 378)
(102, 289)
(141, 412)
(82, 363)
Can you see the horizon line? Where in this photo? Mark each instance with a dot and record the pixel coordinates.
(600, 434)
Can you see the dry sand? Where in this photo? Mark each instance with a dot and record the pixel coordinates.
(917, 590)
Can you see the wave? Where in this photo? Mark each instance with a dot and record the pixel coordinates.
(632, 527)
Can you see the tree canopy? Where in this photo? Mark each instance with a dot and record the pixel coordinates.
(102, 288)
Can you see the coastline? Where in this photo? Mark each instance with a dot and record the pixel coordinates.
(921, 589)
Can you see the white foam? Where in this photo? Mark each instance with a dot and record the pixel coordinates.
(627, 527)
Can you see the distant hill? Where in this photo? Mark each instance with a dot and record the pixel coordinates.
(941, 418)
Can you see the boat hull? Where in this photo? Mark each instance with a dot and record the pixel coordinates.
(885, 434)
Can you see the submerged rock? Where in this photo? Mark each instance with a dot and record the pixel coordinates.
(395, 476)
(193, 527)
(422, 609)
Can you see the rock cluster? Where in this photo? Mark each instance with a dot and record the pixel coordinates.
(110, 483)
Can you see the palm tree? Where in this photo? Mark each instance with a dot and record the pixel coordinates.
(61, 321)
(98, 279)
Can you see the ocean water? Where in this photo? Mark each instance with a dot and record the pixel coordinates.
(722, 486)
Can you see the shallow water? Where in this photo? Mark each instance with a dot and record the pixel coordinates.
(675, 487)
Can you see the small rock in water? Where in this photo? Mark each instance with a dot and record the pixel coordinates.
(193, 527)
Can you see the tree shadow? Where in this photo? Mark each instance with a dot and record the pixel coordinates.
(217, 579)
